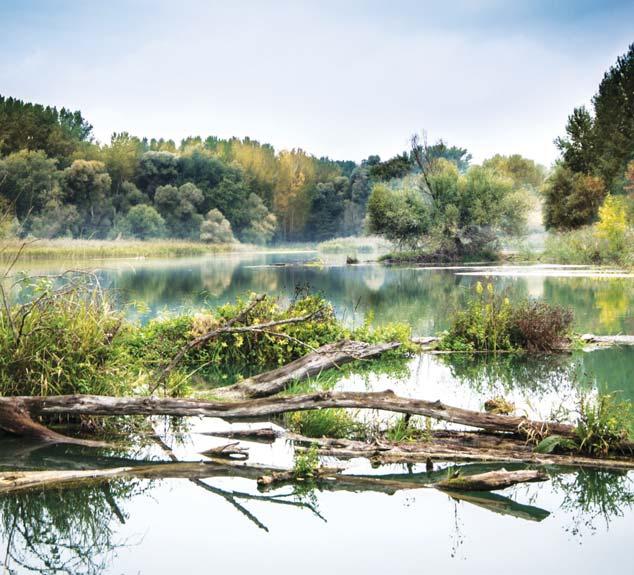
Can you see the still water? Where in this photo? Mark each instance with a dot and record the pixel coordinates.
(579, 522)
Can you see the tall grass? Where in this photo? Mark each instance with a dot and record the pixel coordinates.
(63, 341)
(98, 249)
(586, 247)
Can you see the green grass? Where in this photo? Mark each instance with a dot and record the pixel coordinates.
(353, 245)
(103, 249)
(585, 247)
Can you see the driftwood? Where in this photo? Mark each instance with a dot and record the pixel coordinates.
(12, 482)
(467, 446)
(326, 357)
(266, 407)
(229, 451)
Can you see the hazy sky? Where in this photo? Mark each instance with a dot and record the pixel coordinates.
(339, 78)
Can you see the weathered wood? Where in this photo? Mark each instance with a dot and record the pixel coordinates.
(464, 446)
(491, 481)
(229, 451)
(607, 340)
(16, 419)
(326, 357)
(266, 407)
(263, 435)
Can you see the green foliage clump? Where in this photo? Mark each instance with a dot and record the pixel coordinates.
(144, 222)
(337, 423)
(492, 323)
(604, 424)
(571, 199)
(230, 356)
(306, 463)
(406, 429)
(609, 241)
(62, 343)
(484, 326)
(216, 229)
(446, 213)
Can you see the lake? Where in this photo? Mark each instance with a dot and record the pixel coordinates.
(580, 522)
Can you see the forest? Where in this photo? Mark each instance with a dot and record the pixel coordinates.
(58, 182)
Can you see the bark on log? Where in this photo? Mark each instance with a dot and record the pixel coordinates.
(13, 482)
(328, 356)
(266, 407)
(16, 419)
(466, 446)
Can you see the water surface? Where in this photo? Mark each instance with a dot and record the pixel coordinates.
(580, 522)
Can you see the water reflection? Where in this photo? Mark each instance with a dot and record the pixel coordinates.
(98, 529)
(424, 298)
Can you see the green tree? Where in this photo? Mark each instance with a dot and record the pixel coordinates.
(86, 185)
(121, 158)
(144, 222)
(156, 169)
(26, 126)
(27, 181)
(571, 199)
(216, 229)
(262, 223)
(179, 209)
(614, 120)
(400, 215)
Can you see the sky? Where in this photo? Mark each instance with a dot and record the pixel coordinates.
(344, 79)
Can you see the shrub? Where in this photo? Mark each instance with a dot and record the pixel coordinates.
(62, 342)
(216, 229)
(144, 222)
(336, 423)
(484, 326)
(492, 323)
(538, 326)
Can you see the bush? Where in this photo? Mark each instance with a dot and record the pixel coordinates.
(336, 423)
(492, 323)
(144, 222)
(62, 342)
(538, 326)
(216, 229)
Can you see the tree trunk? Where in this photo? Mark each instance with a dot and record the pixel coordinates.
(328, 356)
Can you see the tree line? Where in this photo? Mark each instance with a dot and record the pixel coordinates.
(58, 182)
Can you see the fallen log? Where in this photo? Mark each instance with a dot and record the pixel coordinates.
(13, 482)
(266, 407)
(16, 420)
(326, 357)
(459, 446)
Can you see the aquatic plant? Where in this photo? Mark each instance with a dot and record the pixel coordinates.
(306, 463)
(337, 423)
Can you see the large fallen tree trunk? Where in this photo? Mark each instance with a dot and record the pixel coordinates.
(266, 407)
(326, 357)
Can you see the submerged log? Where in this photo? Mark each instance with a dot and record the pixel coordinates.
(491, 481)
(326, 357)
(13, 482)
(466, 446)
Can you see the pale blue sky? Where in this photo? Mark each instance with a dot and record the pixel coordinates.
(337, 78)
